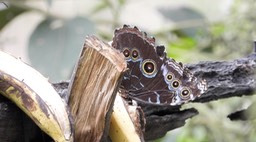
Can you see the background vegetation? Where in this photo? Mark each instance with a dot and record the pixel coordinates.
(49, 34)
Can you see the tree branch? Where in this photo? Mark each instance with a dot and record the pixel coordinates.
(225, 79)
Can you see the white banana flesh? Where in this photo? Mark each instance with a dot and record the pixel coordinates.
(32, 92)
(122, 128)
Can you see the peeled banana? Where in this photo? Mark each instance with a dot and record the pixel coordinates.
(32, 93)
(122, 128)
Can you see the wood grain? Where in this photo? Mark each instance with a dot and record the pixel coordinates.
(93, 89)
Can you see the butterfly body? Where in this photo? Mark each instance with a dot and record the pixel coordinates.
(151, 76)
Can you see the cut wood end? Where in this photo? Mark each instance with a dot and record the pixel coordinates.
(108, 51)
(93, 89)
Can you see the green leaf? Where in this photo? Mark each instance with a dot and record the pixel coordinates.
(121, 2)
(176, 49)
(184, 50)
(217, 30)
(8, 14)
(54, 48)
(185, 43)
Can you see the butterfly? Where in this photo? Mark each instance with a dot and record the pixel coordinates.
(152, 77)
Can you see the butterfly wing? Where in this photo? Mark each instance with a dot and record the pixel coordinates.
(151, 76)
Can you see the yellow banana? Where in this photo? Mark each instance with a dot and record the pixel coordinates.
(122, 128)
(31, 92)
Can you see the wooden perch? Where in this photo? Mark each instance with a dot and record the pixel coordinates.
(93, 89)
(225, 79)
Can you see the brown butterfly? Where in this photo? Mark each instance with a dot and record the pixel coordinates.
(152, 77)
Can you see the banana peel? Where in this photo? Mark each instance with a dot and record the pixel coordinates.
(34, 95)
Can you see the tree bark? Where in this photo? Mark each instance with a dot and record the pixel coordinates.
(227, 79)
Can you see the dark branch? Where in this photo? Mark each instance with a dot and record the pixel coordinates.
(158, 125)
(245, 114)
(225, 79)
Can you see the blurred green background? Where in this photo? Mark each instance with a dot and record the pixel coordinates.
(49, 34)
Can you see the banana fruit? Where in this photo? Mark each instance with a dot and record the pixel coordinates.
(34, 95)
(122, 128)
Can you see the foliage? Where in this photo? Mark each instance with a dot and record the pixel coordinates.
(232, 37)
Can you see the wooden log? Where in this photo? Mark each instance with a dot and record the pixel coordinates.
(93, 89)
